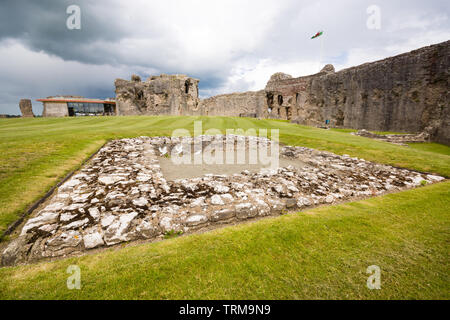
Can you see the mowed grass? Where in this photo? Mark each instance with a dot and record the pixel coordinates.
(36, 153)
(318, 254)
(322, 253)
(431, 147)
(375, 132)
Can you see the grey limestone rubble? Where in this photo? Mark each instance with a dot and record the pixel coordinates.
(401, 139)
(122, 195)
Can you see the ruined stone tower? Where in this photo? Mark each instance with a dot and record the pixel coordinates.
(26, 108)
(159, 95)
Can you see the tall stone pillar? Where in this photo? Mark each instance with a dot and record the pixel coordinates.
(26, 108)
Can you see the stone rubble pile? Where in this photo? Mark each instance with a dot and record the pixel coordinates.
(401, 139)
(121, 195)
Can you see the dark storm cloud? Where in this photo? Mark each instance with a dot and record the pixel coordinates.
(229, 45)
(41, 25)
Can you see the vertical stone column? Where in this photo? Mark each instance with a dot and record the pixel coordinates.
(26, 108)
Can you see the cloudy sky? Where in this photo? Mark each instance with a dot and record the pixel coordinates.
(232, 45)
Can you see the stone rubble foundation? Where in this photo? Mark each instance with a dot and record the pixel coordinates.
(401, 139)
(121, 195)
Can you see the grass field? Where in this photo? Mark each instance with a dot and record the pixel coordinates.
(431, 147)
(321, 253)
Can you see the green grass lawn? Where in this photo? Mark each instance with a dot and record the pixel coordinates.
(318, 254)
(376, 132)
(431, 147)
(322, 253)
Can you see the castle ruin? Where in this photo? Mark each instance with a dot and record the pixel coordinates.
(26, 108)
(159, 95)
(405, 93)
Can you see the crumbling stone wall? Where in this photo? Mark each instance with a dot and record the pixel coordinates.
(26, 108)
(178, 95)
(244, 104)
(159, 95)
(406, 93)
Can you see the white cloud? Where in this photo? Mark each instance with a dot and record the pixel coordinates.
(419, 21)
(195, 36)
(420, 40)
(254, 76)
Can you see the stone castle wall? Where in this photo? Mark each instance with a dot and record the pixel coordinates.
(406, 93)
(244, 104)
(178, 95)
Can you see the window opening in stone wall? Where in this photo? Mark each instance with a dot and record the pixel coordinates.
(280, 100)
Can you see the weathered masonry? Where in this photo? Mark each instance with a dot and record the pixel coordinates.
(159, 95)
(406, 93)
(178, 95)
(71, 106)
(26, 108)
